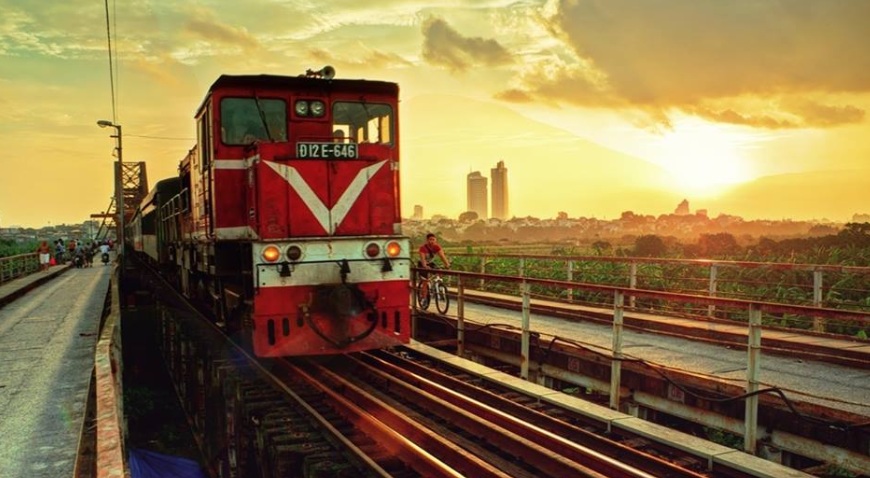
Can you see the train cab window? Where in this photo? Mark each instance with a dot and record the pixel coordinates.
(364, 122)
(204, 141)
(245, 120)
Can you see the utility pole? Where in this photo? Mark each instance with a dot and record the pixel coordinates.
(119, 184)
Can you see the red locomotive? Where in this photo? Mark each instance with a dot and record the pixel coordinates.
(286, 219)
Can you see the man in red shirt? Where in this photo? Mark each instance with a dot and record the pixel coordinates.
(428, 251)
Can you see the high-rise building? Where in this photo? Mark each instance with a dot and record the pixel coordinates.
(418, 212)
(477, 194)
(499, 191)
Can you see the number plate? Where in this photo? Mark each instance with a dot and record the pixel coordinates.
(327, 150)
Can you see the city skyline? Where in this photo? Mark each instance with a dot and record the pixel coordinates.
(500, 197)
(682, 209)
(477, 194)
(752, 108)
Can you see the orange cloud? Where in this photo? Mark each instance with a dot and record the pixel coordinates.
(204, 24)
(362, 57)
(444, 46)
(515, 96)
(657, 56)
(826, 115)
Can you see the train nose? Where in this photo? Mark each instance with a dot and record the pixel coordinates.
(344, 301)
(339, 301)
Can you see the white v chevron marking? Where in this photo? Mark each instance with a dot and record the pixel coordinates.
(315, 205)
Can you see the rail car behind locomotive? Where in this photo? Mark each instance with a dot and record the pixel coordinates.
(287, 220)
(146, 229)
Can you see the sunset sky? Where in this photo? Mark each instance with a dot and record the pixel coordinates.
(754, 108)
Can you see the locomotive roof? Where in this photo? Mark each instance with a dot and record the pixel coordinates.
(279, 81)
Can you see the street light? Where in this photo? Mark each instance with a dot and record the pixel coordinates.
(119, 184)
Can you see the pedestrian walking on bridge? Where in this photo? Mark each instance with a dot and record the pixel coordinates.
(44, 255)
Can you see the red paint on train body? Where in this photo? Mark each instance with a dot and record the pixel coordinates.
(288, 222)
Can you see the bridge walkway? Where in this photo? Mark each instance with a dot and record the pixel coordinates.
(48, 337)
(831, 385)
(799, 344)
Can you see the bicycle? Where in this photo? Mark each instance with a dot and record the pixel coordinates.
(436, 285)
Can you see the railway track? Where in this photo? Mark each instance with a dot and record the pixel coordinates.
(283, 417)
(371, 415)
(550, 425)
(515, 437)
(381, 414)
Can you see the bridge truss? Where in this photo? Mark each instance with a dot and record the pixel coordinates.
(133, 179)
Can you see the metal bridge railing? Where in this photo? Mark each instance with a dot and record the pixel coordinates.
(818, 285)
(752, 312)
(13, 267)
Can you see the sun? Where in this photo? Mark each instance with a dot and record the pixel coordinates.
(703, 159)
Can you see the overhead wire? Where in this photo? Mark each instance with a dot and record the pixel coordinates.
(159, 137)
(111, 64)
(117, 98)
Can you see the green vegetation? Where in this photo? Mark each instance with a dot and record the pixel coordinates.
(20, 266)
(840, 289)
(9, 247)
(834, 471)
(724, 438)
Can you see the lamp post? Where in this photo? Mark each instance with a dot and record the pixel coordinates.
(119, 184)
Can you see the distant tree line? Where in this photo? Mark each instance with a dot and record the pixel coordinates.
(824, 245)
(849, 246)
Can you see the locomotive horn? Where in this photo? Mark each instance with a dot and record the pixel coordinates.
(327, 72)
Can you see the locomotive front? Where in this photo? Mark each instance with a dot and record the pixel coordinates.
(299, 204)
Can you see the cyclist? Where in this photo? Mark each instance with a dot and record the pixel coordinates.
(428, 251)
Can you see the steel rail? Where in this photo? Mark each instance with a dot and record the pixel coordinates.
(545, 451)
(412, 371)
(414, 444)
(263, 371)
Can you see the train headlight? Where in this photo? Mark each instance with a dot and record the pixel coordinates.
(271, 254)
(301, 108)
(372, 250)
(294, 253)
(317, 108)
(393, 249)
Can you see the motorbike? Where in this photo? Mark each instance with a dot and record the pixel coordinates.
(79, 261)
(105, 258)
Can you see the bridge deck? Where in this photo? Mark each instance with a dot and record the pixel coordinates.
(48, 337)
(47, 342)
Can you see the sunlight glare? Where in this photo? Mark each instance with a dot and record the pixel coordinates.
(703, 159)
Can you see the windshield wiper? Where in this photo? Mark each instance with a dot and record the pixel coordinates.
(263, 118)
